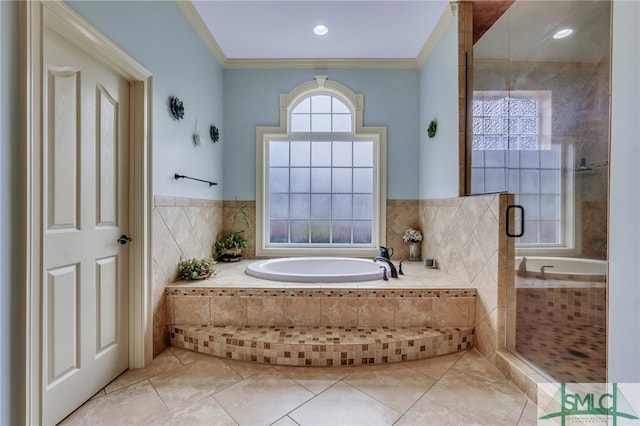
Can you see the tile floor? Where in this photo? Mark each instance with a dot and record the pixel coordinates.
(181, 387)
(567, 353)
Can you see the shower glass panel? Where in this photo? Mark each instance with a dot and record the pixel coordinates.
(540, 130)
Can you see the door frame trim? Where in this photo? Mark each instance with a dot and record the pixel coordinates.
(35, 16)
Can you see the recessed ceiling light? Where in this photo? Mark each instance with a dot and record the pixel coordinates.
(320, 29)
(563, 33)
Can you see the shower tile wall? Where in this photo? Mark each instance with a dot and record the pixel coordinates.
(181, 227)
(570, 306)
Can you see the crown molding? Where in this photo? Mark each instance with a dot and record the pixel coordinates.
(321, 63)
(201, 28)
(442, 24)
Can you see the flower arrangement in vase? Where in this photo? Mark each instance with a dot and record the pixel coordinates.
(412, 235)
(414, 238)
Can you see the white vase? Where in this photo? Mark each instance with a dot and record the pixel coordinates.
(414, 251)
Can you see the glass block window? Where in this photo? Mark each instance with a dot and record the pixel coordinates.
(321, 192)
(514, 120)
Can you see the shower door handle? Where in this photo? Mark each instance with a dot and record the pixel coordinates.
(508, 222)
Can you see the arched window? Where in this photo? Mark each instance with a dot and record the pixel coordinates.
(321, 113)
(320, 180)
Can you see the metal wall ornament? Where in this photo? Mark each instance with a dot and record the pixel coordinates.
(215, 134)
(177, 107)
(431, 130)
(196, 135)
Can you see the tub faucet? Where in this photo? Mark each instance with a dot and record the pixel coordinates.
(522, 268)
(542, 268)
(384, 273)
(394, 272)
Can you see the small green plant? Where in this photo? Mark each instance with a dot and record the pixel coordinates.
(193, 269)
(231, 242)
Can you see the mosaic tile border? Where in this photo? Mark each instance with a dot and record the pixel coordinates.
(306, 292)
(322, 346)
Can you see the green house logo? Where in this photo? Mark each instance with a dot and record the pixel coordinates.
(590, 406)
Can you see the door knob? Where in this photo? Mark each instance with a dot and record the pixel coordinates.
(124, 239)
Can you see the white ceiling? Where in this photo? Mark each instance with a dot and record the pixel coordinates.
(360, 29)
(525, 33)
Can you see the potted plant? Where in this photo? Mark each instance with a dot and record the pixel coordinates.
(231, 242)
(196, 269)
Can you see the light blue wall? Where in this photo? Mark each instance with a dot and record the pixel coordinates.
(159, 36)
(9, 214)
(252, 98)
(623, 359)
(439, 100)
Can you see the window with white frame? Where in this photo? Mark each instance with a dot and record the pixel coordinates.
(512, 151)
(320, 187)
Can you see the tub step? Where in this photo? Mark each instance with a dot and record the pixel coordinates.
(321, 346)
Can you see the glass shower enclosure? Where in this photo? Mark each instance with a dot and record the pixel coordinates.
(539, 128)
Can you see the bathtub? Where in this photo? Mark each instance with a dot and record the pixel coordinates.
(317, 269)
(565, 268)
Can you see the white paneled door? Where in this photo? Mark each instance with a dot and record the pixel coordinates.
(85, 212)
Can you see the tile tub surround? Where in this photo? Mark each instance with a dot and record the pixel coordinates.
(236, 316)
(420, 298)
(188, 228)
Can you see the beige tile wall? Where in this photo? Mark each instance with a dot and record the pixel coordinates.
(181, 227)
(250, 232)
(463, 236)
(401, 214)
(320, 308)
